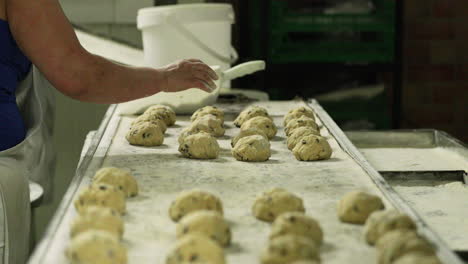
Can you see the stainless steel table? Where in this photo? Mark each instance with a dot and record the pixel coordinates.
(162, 173)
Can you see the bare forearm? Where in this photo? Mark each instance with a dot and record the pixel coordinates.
(108, 82)
(52, 46)
(46, 37)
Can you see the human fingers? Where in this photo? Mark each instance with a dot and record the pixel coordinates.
(195, 60)
(204, 76)
(202, 85)
(206, 68)
(198, 65)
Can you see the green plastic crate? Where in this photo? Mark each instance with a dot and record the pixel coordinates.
(285, 23)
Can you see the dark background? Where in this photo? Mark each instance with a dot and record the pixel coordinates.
(426, 81)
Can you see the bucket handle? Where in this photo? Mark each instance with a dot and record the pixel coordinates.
(233, 56)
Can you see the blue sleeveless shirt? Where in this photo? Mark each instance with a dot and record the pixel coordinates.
(14, 66)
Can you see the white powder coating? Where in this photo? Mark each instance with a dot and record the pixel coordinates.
(162, 174)
(414, 159)
(442, 205)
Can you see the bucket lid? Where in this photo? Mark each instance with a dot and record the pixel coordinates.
(185, 13)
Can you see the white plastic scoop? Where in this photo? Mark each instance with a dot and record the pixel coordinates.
(188, 101)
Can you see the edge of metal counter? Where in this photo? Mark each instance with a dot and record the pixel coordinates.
(41, 249)
(443, 251)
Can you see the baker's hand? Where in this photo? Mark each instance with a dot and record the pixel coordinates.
(186, 74)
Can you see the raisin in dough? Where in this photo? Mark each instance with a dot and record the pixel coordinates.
(274, 202)
(262, 123)
(297, 113)
(298, 134)
(208, 110)
(250, 112)
(96, 246)
(381, 222)
(417, 258)
(98, 218)
(245, 133)
(295, 223)
(289, 248)
(300, 122)
(199, 146)
(157, 120)
(355, 207)
(101, 194)
(121, 179)
(402, 245)
(164, 112)
(145, 134)
(196, 248)
(208, 223)
(311, 148)
(191, 201)
(252, 148)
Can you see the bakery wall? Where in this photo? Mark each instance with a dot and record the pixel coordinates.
(435, 66)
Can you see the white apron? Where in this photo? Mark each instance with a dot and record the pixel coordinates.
(33, 159)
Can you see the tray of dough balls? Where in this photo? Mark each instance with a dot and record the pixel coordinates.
(265, 183)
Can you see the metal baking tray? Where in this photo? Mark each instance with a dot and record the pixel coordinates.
(428, 168)
(162, 174)
(413, 151)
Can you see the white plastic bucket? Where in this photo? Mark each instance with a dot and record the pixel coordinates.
(176, 32)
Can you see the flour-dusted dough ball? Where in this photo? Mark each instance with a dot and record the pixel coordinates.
(262, 123)
(392, 236)
(194, 200)
(381, 222)
(311, 148)
(199, 146)
(401, 245)
(165, 112)
(252, 148)
(145, 134)
(120, 178)
(296, 223)
(302, 121)
(298, 134)
(208, 110)
(274, 202)
(196, 248)
(98, 218)
(250, 112)
(247, 132)
(355, 207)
(297, 113)
(157, 120)
(289, 248)
(418, 258)
(190, 130)
(207, 223)
(306, 262)
(101, 194)
(210, 124)
(96, 247)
